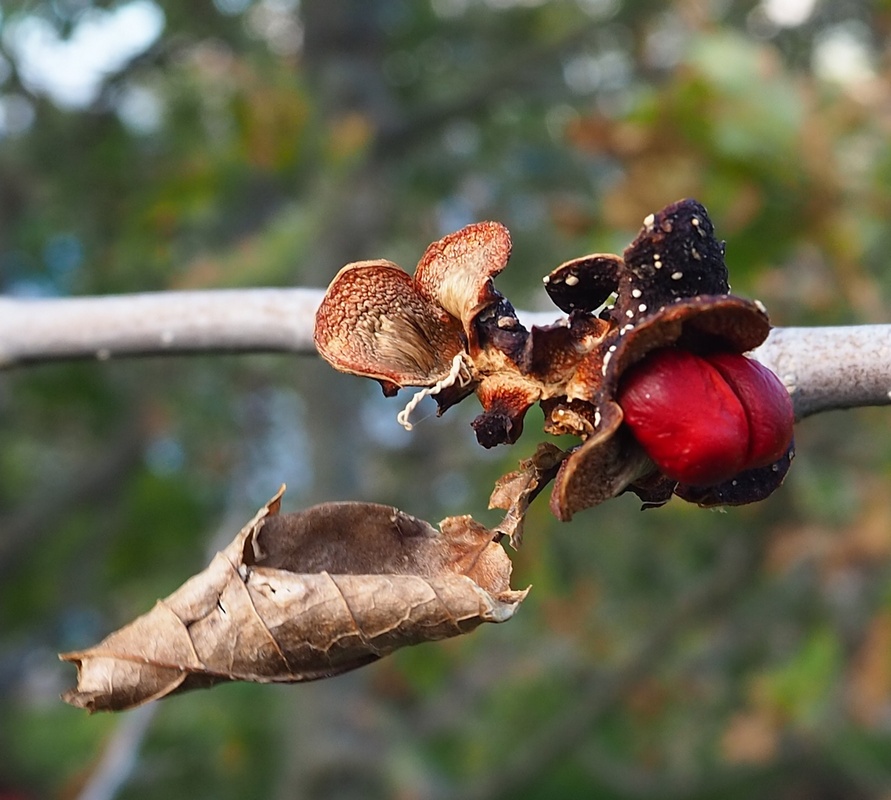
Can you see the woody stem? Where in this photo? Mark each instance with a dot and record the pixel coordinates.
(824, 368)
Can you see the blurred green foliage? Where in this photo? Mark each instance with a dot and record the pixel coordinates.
(673, 653)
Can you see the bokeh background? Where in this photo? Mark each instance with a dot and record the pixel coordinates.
(676, 653)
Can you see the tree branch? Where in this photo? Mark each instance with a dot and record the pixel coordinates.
(827, 368)
(158, 323)
(824, 368)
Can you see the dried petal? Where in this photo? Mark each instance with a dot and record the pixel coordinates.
(674, 256)
(603, 467)
(584, 284)
(456, 272)
(373, 322)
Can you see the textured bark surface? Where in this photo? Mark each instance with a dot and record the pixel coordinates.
(303, 596)
(823, 368)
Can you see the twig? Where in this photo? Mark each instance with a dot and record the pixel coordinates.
(161, 323)
(120, 755)
(824, 367)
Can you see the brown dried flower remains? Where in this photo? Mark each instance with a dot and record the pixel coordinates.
(669, 289)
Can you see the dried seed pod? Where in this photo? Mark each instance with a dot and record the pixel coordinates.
(675, 256)
(450, 331)
(602, 467)
(553, 353)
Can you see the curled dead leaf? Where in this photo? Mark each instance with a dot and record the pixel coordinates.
(303, 596)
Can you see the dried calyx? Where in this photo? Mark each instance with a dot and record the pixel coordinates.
(654, 384)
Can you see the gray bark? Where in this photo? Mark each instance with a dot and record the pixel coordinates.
(823, 368)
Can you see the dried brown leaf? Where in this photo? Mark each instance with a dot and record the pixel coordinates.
(303, 596)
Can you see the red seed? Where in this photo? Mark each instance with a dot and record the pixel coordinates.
(703, 420)
(686, 416)
(766, 403)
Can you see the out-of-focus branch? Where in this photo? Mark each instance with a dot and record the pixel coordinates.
(601, 691)
(823, 367)
(120, 756)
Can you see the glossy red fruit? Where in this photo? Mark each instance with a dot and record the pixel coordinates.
(766, 403)
(705, 419)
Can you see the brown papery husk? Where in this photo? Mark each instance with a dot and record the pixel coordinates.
(303, 596)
